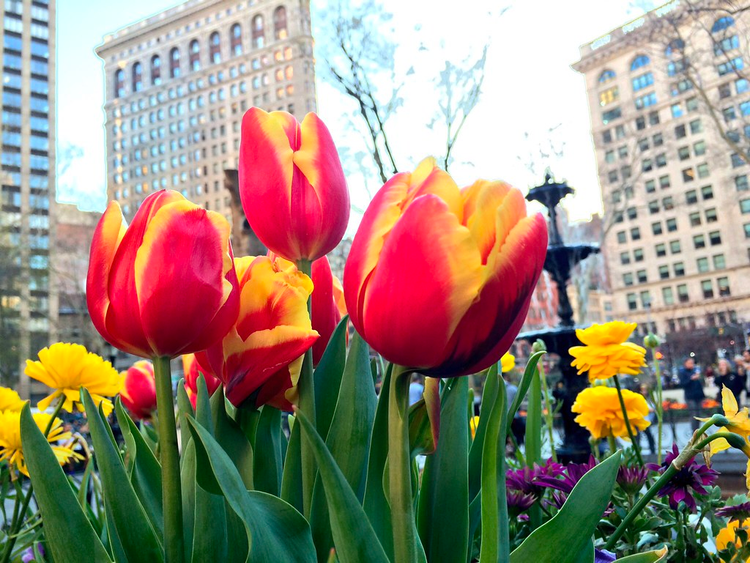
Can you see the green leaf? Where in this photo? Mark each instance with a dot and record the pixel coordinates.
(475, 453)
(144, 469)
(291, 478)
(275, 530)
(353, 536)
(348, 437)
(129, 519)
(328, 377)
(424, 419)
(523, 387)
(533, 445)
(573, 526)
(70, 536)
(232, 439)
(375, 503)
(209, 535)
(267, 464)
(184, 406)
(647, 557)
(445, 482)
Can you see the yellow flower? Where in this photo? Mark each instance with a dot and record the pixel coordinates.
(739, 420)
(68, 367)
(606, 352)
(9, 400)
(11, 449)
(507, 362)
(473, 425)
(600, 413)
(728, 535)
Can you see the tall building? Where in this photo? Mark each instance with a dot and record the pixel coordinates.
(28, 303)
(179, 82)
(667, 97)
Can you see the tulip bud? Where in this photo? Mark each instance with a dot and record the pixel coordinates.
(327, 305)
(538, 346)
(651, 341)
(139, 390)
(292, 185)
(192, 371)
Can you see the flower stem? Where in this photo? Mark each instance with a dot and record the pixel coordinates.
(169, 455)
(641, 504)
(548, 417)
(306, 390)
(399, 468)
(612, 444)
(659, 408)
(636, 446)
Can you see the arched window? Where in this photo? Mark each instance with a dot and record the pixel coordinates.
(722, 23)
(119, 83)
(606, 76)
(258, 33)
(174, 63)
(640, 61)
(155, 70)
(195, 55)
(137, 77)
(214, 47)
(279, 23)
(235, 37)
(675, 47)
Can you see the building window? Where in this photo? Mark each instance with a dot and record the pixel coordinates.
(258, 32)
(214, 48)
(657, 228)
(611, 115)
(707, 192)
(627, 279)
(638, 254)
(676, 67)
(741, 183)
(647, 100)
(722, 23)
(695, 219)
(646, 299)
(641, 274)
(711, 216)
(720, 262)
(195, 55)
(723, 284)
(671, 225)
(745, 206)
(632, 213)
(155, 70)
(677, 110)
(642, 81)
(741, 85)
(621, 237)
(675, 247)
(696, 126)
(667, 295)
(640, 123)
(683, 153)
(137, 77)
(650, 186)
(680, 132)
(624, 258)
(715, 238)
(702, 264)
(279, 23)
(679, 269)
(692, 104)
(658, 140)
(682, 293)
(730, 66)
(635, 233)
(688, 175)
(174, 63)
(653, 207)
(699, 148)
(609, 96)
(606, 76)
(639, 62)
(708, 289)
(119, 83)
(647, 165)
(661, 250)
(235, 35)
(668, 203)
(632, 301)
(691, 197)
(736, 160)
(664, 272)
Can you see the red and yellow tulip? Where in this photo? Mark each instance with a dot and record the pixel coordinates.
(139, 390)
(292, 185)
(440, 279)
(192, 371)
(328, 305)
(165, 285)
(262, 354)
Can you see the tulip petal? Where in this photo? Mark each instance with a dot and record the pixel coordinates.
(123, 316)
(180, 275)
(325, 313)
(429, 263)
(494, 319)
(107, 237)
(482, 199)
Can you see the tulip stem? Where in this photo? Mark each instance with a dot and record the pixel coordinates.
(306, 389)
(632, 437)
(169, 456)
(399, 468)
(659, 407)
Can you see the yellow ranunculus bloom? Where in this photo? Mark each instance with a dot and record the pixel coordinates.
(11, 449)
(68, 367)
(599, 411)
(10, 400)
(606, 352)
(507, 362)
(473, 425)
(728, 535)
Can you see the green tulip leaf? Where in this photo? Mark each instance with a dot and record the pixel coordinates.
(647, 557)
(183, 407)
(129, 520)
(424, 420)
(348, 438)
(475, 453)
(64, 520)
(143, 467)
(376, 503)
(275, 530)
(354, 539)
(231, 438)
(267, 464)
(445, 482)
(573, 526)
(291, 477)
(328, 376)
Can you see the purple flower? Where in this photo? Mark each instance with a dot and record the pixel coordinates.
(692, 476)
(632, 479)
(570, 476)
(736, 512)
(602, 556)
(28, 555)
(526, 479)
(519, 502)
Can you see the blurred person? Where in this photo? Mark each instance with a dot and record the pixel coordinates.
(692, 384)
(733, 381)
(416, 389)
(739, 366)
(643, 390)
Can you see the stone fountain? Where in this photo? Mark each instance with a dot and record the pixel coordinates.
(561, 259)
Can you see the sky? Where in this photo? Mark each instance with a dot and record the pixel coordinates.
(529, 89)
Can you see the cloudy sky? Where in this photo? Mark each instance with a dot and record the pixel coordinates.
(529, 88)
